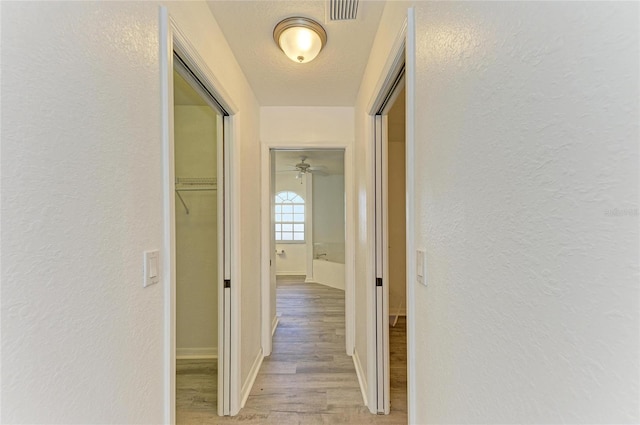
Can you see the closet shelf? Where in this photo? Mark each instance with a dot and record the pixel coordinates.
(194, 184)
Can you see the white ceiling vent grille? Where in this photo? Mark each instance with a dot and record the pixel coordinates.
(342, 10)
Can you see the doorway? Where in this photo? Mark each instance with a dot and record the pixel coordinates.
(341, 268)
(198, 136)
(390, 260)
(308, 247)
(309, 215)
(307, 368)
(198, 181)
(397, 256)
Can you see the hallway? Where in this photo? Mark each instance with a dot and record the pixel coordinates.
(307, 379)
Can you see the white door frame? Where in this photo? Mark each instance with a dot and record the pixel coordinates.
(173, 39)
(401, 59)
(349, 240)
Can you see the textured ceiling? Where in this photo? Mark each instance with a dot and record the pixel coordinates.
(329, 161)
(332, 79)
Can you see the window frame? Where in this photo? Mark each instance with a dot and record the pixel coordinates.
(289, 201)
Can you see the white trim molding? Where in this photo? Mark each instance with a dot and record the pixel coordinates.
(168, 252)
(362, 380)
(291, 273)
(410, 90)
(267, 256)
(251, 379)
(196, 353)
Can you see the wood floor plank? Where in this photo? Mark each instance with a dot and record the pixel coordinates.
(308, 379)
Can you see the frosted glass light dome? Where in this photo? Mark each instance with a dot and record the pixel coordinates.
(301, 39)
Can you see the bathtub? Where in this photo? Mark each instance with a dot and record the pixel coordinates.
(328, 264)
(328, 273)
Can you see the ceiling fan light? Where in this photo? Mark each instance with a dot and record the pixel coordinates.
(301, 39)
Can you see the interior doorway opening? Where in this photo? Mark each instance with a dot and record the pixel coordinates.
(198, 139)
(397, 256)
(198, 182)
(309, 215)
(340, 155)
(307, 205)
(389, 265)
(305, 235)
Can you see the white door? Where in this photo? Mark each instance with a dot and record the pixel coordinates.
(381, 295)
(224, 357)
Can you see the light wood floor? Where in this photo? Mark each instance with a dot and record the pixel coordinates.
(308, 379)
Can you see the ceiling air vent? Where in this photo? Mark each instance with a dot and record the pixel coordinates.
(342, 10)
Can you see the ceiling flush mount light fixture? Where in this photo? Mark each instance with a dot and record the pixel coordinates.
(301, 39)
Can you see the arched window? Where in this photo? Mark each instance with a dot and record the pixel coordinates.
(289, 217)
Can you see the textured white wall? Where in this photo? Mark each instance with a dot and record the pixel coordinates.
(196, 233)
(82, 341)
(297, 125)
(293, 261)
(526, 192)
(526, 136)
(328, 209)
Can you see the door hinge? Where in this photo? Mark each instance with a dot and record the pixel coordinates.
(227, 283)
(378, 281)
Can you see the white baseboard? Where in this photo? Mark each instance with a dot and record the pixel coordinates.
(251, 379)
(294, 273)
(274, 324)
(361, 377)
(196, 353)
(310, 279)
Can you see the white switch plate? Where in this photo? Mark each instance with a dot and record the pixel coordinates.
(151, 268)
(421, 266)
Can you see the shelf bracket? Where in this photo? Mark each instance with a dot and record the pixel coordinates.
(183, 203)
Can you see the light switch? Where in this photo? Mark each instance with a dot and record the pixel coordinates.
(421, 266)
(151, 268)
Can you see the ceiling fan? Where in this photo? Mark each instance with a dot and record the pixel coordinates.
(304, 167)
